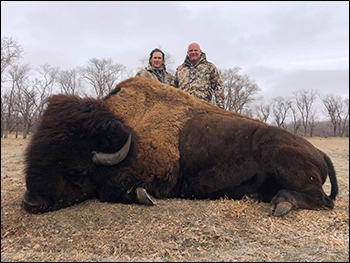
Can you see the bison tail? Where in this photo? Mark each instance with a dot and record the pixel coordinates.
(332, 177)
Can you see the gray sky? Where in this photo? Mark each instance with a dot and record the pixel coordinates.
(282, 46)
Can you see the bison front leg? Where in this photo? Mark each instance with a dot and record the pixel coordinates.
(286, 200)
(136, 195)
(123, 188)
(282, 203)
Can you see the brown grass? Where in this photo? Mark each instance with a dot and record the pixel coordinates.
(173, 229)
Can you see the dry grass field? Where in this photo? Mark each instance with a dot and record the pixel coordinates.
(173, 229)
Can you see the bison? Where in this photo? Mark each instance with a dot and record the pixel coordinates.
(188, 148)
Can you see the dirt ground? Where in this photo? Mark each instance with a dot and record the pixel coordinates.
(173, 229)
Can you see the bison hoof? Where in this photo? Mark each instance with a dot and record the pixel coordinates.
(281, 208)
(143, 197)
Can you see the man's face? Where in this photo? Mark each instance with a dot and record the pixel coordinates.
(194, 53)
(157, 60)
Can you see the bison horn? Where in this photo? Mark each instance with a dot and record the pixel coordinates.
(112, 158)
(143, 197)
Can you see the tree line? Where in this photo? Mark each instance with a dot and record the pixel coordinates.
(24, 91)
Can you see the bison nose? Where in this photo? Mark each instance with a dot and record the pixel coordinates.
(33, 204)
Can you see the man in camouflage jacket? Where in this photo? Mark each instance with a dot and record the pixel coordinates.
(156, 68)
(199, 77)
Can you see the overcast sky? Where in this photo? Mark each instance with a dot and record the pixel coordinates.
(282, 46)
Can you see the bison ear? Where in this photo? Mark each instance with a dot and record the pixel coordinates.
(112, 158)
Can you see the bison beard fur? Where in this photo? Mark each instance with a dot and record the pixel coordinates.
(186, 148)
(59, 168)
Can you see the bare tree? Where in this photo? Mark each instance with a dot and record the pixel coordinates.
(43, 86)
(345, 128)
(337, 111)
(11, 52)
(7, 109)
(280, 107)
(28, 108)
(46, 79)
(312, 124)
(102, 75)
(263, 111)
(296, 120)
(19, 78)
(239, 90)
(70, 82)
(304, 100)
(30, 96)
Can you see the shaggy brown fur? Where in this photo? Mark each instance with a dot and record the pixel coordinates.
(191, 148)
(158, 113)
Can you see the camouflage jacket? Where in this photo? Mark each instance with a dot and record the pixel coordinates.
(152, 73)
(200, 80)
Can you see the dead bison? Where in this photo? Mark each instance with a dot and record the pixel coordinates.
(188, 148)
